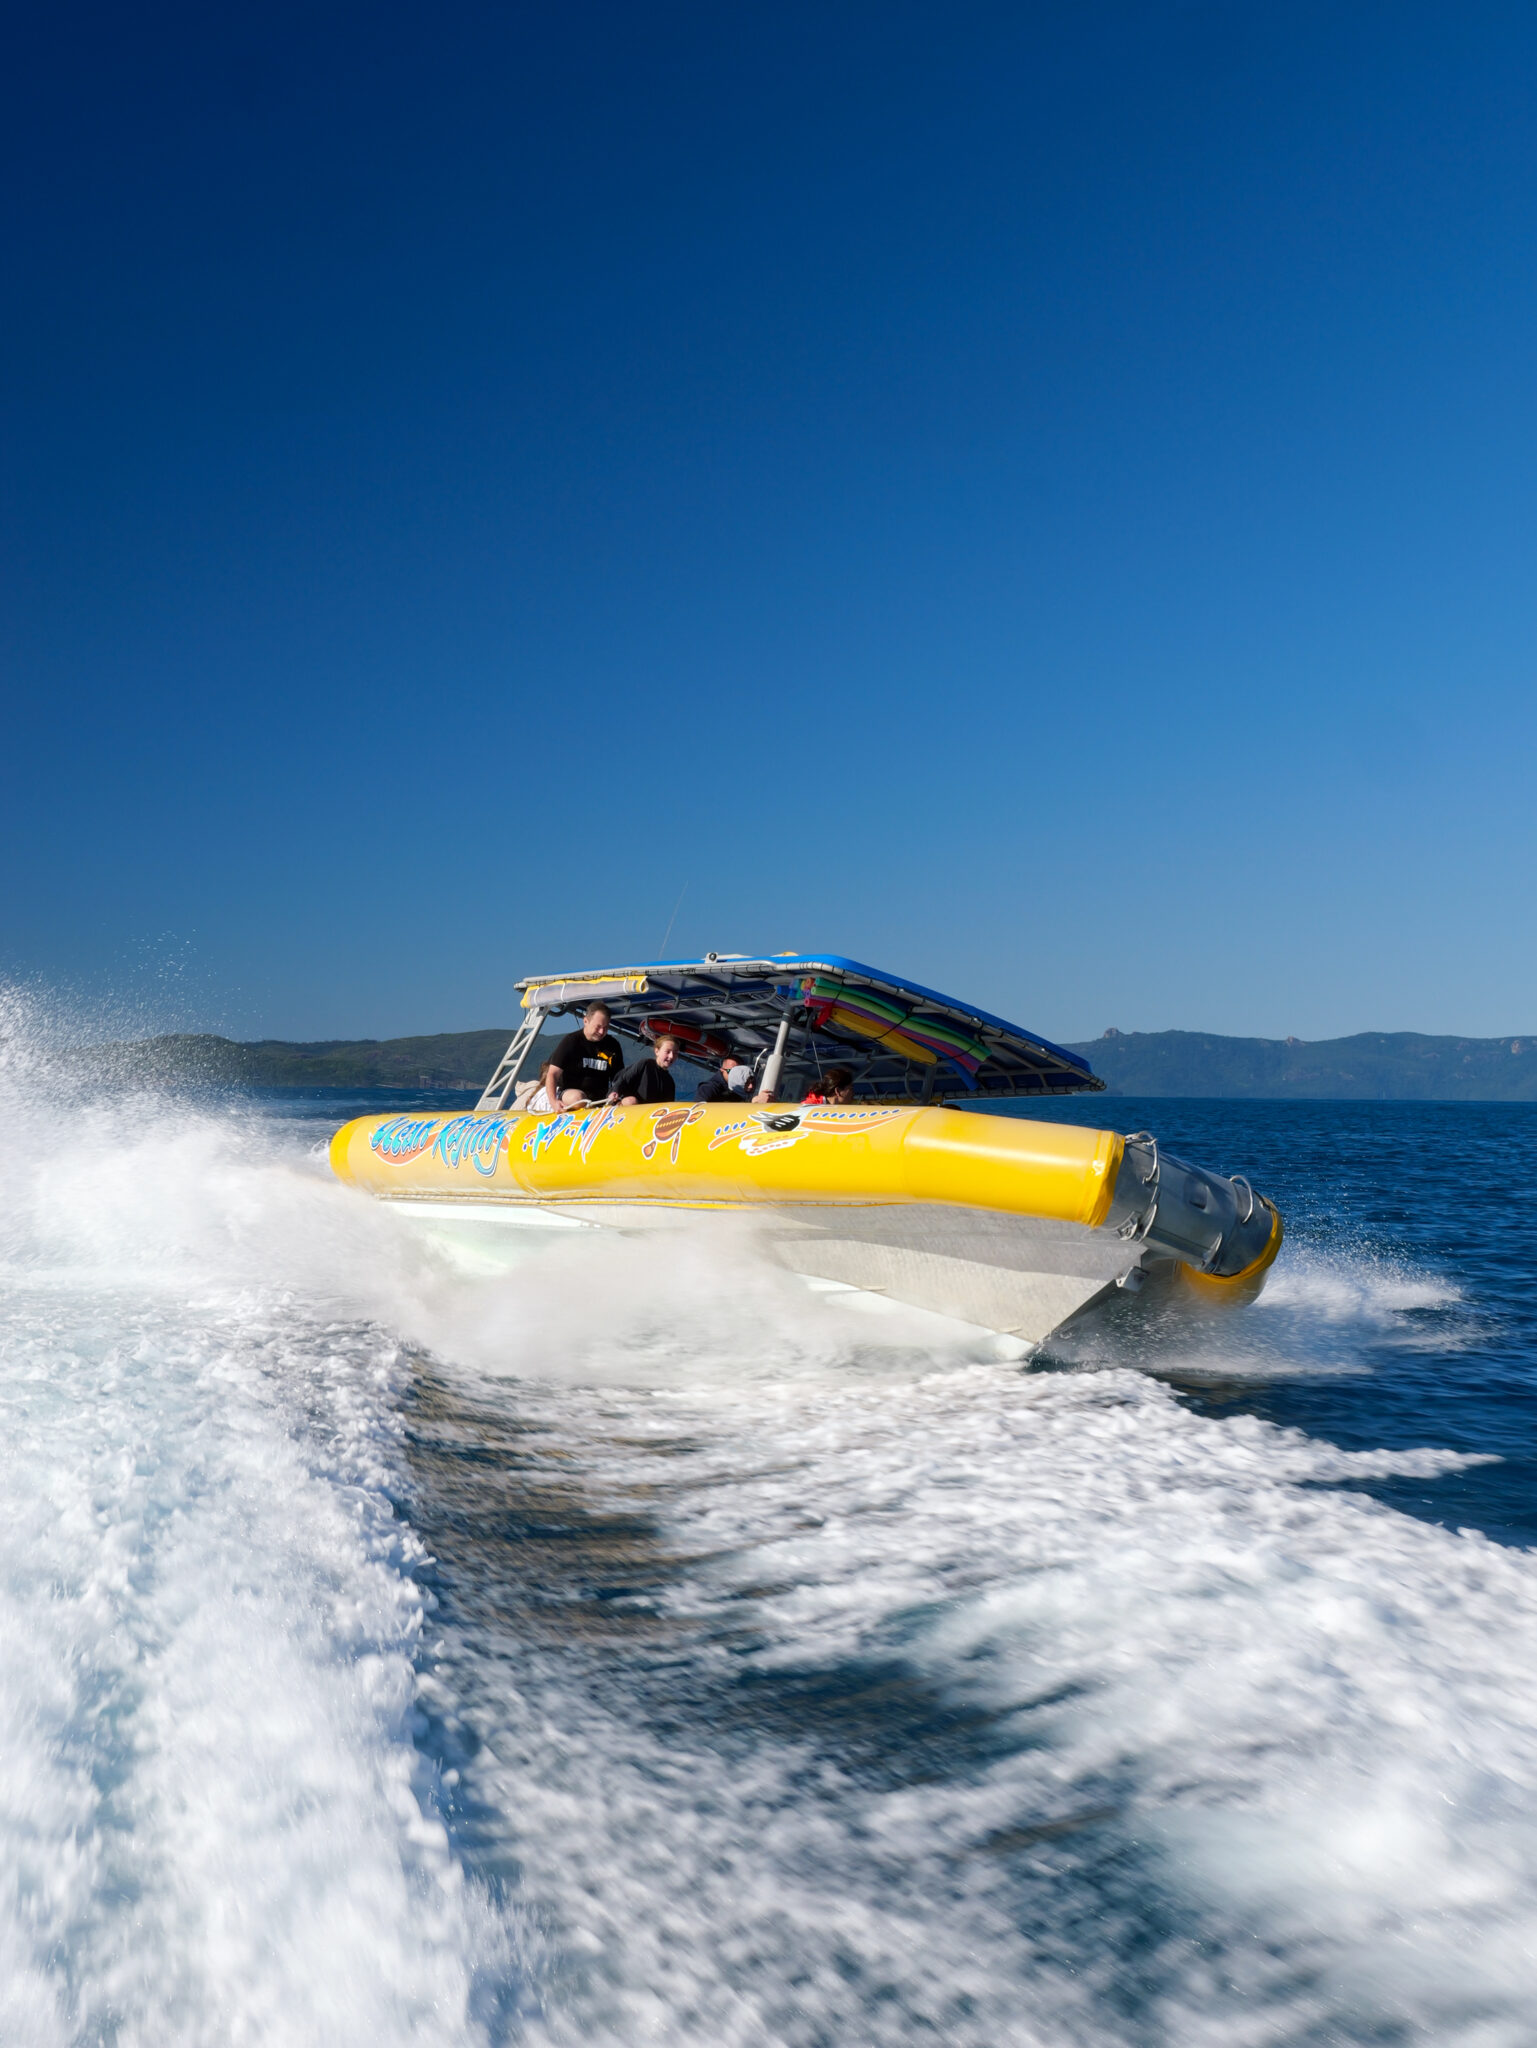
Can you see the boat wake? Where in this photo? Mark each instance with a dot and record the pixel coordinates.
(625, 1649)
(1322, 1313)
(1360, 1289)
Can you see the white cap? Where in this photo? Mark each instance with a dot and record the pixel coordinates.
(740, 1078)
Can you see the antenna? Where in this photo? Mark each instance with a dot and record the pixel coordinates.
(673, 919)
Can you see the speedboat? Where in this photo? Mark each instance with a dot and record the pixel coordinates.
(929, 1188)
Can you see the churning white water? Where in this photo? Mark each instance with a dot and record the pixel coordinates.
(631, 1650)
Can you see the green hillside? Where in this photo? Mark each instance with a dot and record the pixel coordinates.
(1372, 1066)
(1390, 1066)
(453, 1059)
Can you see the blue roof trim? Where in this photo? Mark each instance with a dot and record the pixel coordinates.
(791, 963)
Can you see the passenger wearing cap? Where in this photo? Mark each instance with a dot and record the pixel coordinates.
(732, 1084)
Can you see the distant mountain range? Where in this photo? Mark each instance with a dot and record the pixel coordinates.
(452, 1059)
(1378, 1066)
(1372, 1066)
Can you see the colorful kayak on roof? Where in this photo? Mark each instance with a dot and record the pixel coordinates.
(871, 1016)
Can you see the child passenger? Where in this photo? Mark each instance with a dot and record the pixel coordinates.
(647, 1079)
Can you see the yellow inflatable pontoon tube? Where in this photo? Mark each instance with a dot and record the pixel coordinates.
(693, 1153)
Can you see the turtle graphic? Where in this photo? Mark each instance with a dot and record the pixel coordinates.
(668, 1126)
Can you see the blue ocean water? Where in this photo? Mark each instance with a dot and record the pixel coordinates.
(1423, 1217)
(634, 1648)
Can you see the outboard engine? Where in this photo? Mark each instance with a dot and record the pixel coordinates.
(1216, 1227)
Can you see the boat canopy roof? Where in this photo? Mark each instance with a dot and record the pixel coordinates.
(900, 1038)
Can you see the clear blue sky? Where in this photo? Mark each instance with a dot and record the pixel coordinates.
(1040, 496)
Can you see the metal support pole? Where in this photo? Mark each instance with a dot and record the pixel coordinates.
(505, 1079)
(776, 1060)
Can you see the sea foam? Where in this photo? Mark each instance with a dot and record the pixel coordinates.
(625, 1650)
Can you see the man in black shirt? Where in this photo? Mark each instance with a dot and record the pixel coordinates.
(647, 1079)
(583, 1065)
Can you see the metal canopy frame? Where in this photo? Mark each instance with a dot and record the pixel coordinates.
(792, 1016)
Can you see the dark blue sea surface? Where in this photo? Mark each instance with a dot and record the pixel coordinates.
(631, 1645)
(1424, 1211)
